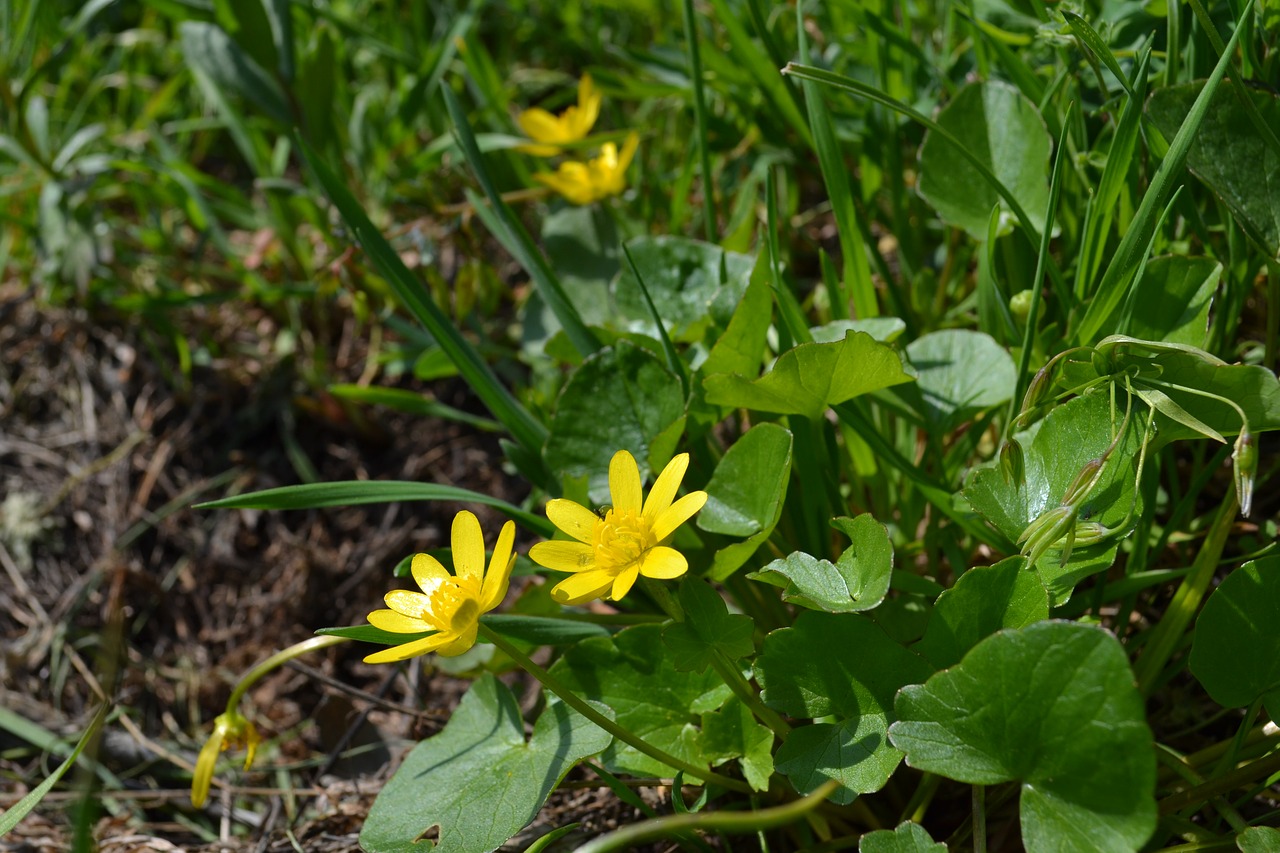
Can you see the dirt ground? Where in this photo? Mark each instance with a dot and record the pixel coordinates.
(114, 586)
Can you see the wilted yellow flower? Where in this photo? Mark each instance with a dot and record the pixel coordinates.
(625, 541)
(570, 126)
(449, 604)
(230, 731)
(584, 183)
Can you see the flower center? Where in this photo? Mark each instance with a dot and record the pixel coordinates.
(453, 605)
(620, 539)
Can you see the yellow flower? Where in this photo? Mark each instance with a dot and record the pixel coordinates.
(583, 183)
(612, 549)
(449, 604)
(230, 731)
(570, 126)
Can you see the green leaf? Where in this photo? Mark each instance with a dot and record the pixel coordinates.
(1070, 436)
(982, 602)
(1229, 154)
(356, 492)
(1259, 839)
(13, 815)
(543, 630)
(958, 373)
(708, 627)
(1003, 129)
(370, 634)
(858, 580)
(809, 378)
(623, 397)
(740, 348)
(745, 494)
(1172, 301)
(732, 732)
(907, 838)
(843, 666)
(694, 285)
(1236, 652)
(210, 51)
(1054, 706)
(634, 674)
(480, 765)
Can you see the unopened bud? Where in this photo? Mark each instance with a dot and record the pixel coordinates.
(1011, 463)
(1244, 467)
(1084, 481)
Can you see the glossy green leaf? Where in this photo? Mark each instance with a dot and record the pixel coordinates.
(858, 580)
(959, 372)
(907, 838)
(1054, 707)
(1236, 652)
(811, 377)
(1070, 436)
(1003, 129)
(623, 397)
(983, 601)
(732, 732)
(633, 673)
(693, 284)
(1172, 301)
(357, 492)
(210, 52)
(479, 765)
(708, 628)
(846, 667)
(1229, 154)
(740, 349)
(1259, 839)
(745, 494)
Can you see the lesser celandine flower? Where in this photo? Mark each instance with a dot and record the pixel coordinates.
(570, 126)
(626, 541)
(230, 731)
(584, 183)
(449, 604)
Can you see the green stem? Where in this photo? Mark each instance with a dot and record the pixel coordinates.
(580, 705)
(700, 116)
(726, 822)
(743, 690)
(1260, 769)
(277, 660)
(980, 818)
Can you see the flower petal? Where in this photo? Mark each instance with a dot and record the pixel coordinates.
(541, 125)
(573, 518)
(624, 581)
(468, 546)
(663, 563)
(571, 180)
(205, 764)
(498, 576)
(464, 641)
(582, 587)
(624, 482)
(561, 556)
(628, 151)
(677, 514)
(398, 623)
(588, 107)
(428, 572)
(665, 487)
(408, 603)
(404, 651)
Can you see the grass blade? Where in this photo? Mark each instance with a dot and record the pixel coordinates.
(20, 809)
(700, 116)
(1124, 262)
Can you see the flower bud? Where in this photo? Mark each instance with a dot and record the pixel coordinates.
(1244, 467)
(1084, 481)
(1011, 463)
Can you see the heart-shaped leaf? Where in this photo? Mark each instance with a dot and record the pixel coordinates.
(692, 284)
(857, 581)
(732, 732)
(907, 838)
(745, 494)
(1054, 706)
(479, 765)
(1236, 652)
(708, 627)
(958, 372)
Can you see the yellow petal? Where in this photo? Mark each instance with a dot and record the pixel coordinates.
(468, 546)
(665, 487)
(663, 563)
(499, 573)
(677, 514)
(624, 581)
(540, 125)
(205, 763)
(571, 180)
(428, 572)
(573, 518)
(561, 556)
(407, 602)
(624, 482)
(462, 643)
(582, 587)
(409, 650)
(628, 152)
(398, 623)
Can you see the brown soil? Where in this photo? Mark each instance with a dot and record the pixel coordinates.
(114, 586)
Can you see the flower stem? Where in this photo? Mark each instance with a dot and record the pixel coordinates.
(580, 705)
(743, 690)
(278, 659)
